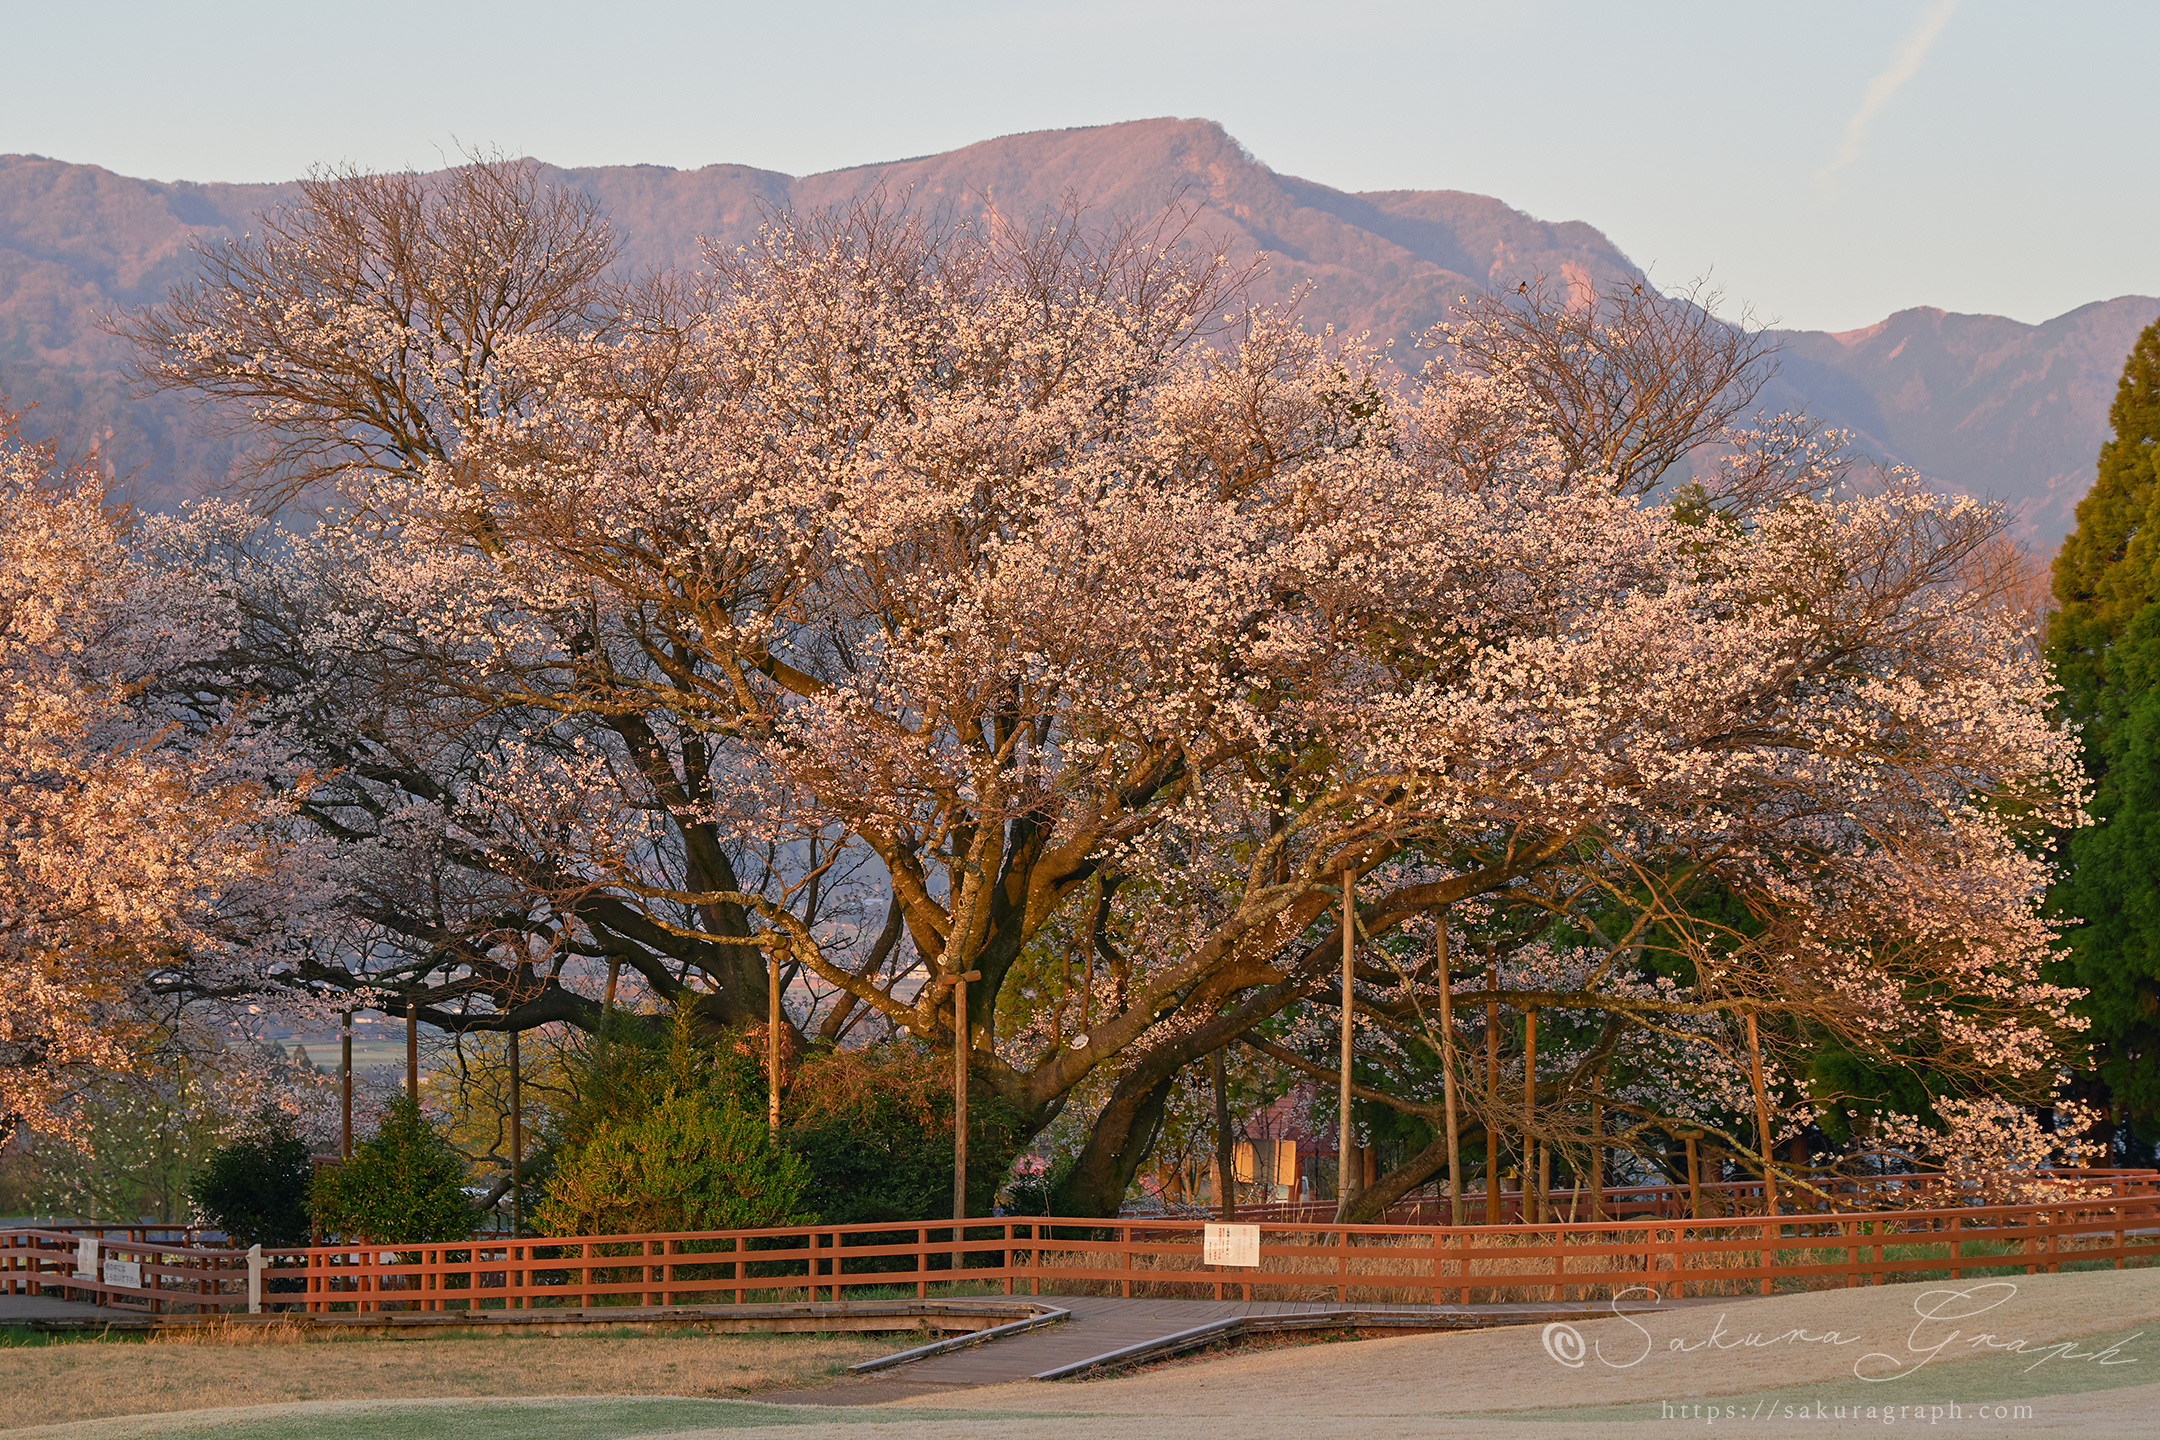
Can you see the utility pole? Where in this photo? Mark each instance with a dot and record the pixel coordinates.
(1225, 1149)
(1349, 999)
(345, 1085)
(412, 1046)
(1447, 1072)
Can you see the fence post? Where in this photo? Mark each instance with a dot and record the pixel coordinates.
(256, 1265)
(86, 1264)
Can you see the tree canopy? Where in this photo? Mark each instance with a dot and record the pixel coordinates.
(132, 850)
(898, 602)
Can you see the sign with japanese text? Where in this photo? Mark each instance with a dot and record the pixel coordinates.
(1232, 1245)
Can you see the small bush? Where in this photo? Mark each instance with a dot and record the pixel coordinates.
(403, 1186)
(695, 1161)
(876, 1129)
(255, 1189)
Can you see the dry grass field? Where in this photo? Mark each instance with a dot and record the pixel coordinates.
(81, 1379)
(2070, 1355)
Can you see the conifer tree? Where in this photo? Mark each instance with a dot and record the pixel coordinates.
(2105, 642)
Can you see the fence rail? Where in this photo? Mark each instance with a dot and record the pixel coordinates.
(158, 1276)
(1162, 1258)
(1679, 1201)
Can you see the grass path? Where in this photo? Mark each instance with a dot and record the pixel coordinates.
(546, 1418)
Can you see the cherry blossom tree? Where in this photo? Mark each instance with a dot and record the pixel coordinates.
(132, 850)
(990, 578)
(967, 553)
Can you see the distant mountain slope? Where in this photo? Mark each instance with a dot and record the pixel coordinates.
(2000, 408)
(2013, 411)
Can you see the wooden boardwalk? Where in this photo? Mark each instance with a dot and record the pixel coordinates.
(23, 1309)
(1105, 1332)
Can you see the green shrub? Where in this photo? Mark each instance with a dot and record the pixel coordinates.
(870, 1131)
(255, 1188)
(876, 1128)
(404, 1185)
(695, 1161)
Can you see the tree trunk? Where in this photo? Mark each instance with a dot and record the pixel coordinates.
(1116, 1148)
(1391, 1187)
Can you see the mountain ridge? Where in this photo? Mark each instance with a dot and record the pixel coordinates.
(1984, 403)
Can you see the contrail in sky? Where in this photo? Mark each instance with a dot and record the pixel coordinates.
(1883, 87)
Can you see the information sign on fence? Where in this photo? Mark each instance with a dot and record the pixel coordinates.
(127, 1274)
(1231, 1245)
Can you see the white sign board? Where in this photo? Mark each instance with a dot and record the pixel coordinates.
(127, 1274)
(86, 1250)
(1232, 1245)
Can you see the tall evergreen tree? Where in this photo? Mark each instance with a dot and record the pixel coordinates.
(2105, 641)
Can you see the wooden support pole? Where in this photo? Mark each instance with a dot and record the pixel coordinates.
(1492, 1098)
(345, 1085)
(1447, 1070)
(1225, 1146)
(1762, 1120)
(1344, 1130)
(961, 1040)
(1533, 1204)
(772, 1043)
(1694, 1175)
(1597, 1161)
(412, 1047)
(517, 1141)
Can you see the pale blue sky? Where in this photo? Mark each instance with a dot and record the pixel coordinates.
(2007, 163)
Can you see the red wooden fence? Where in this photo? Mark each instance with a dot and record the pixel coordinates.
(1131, 1257)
